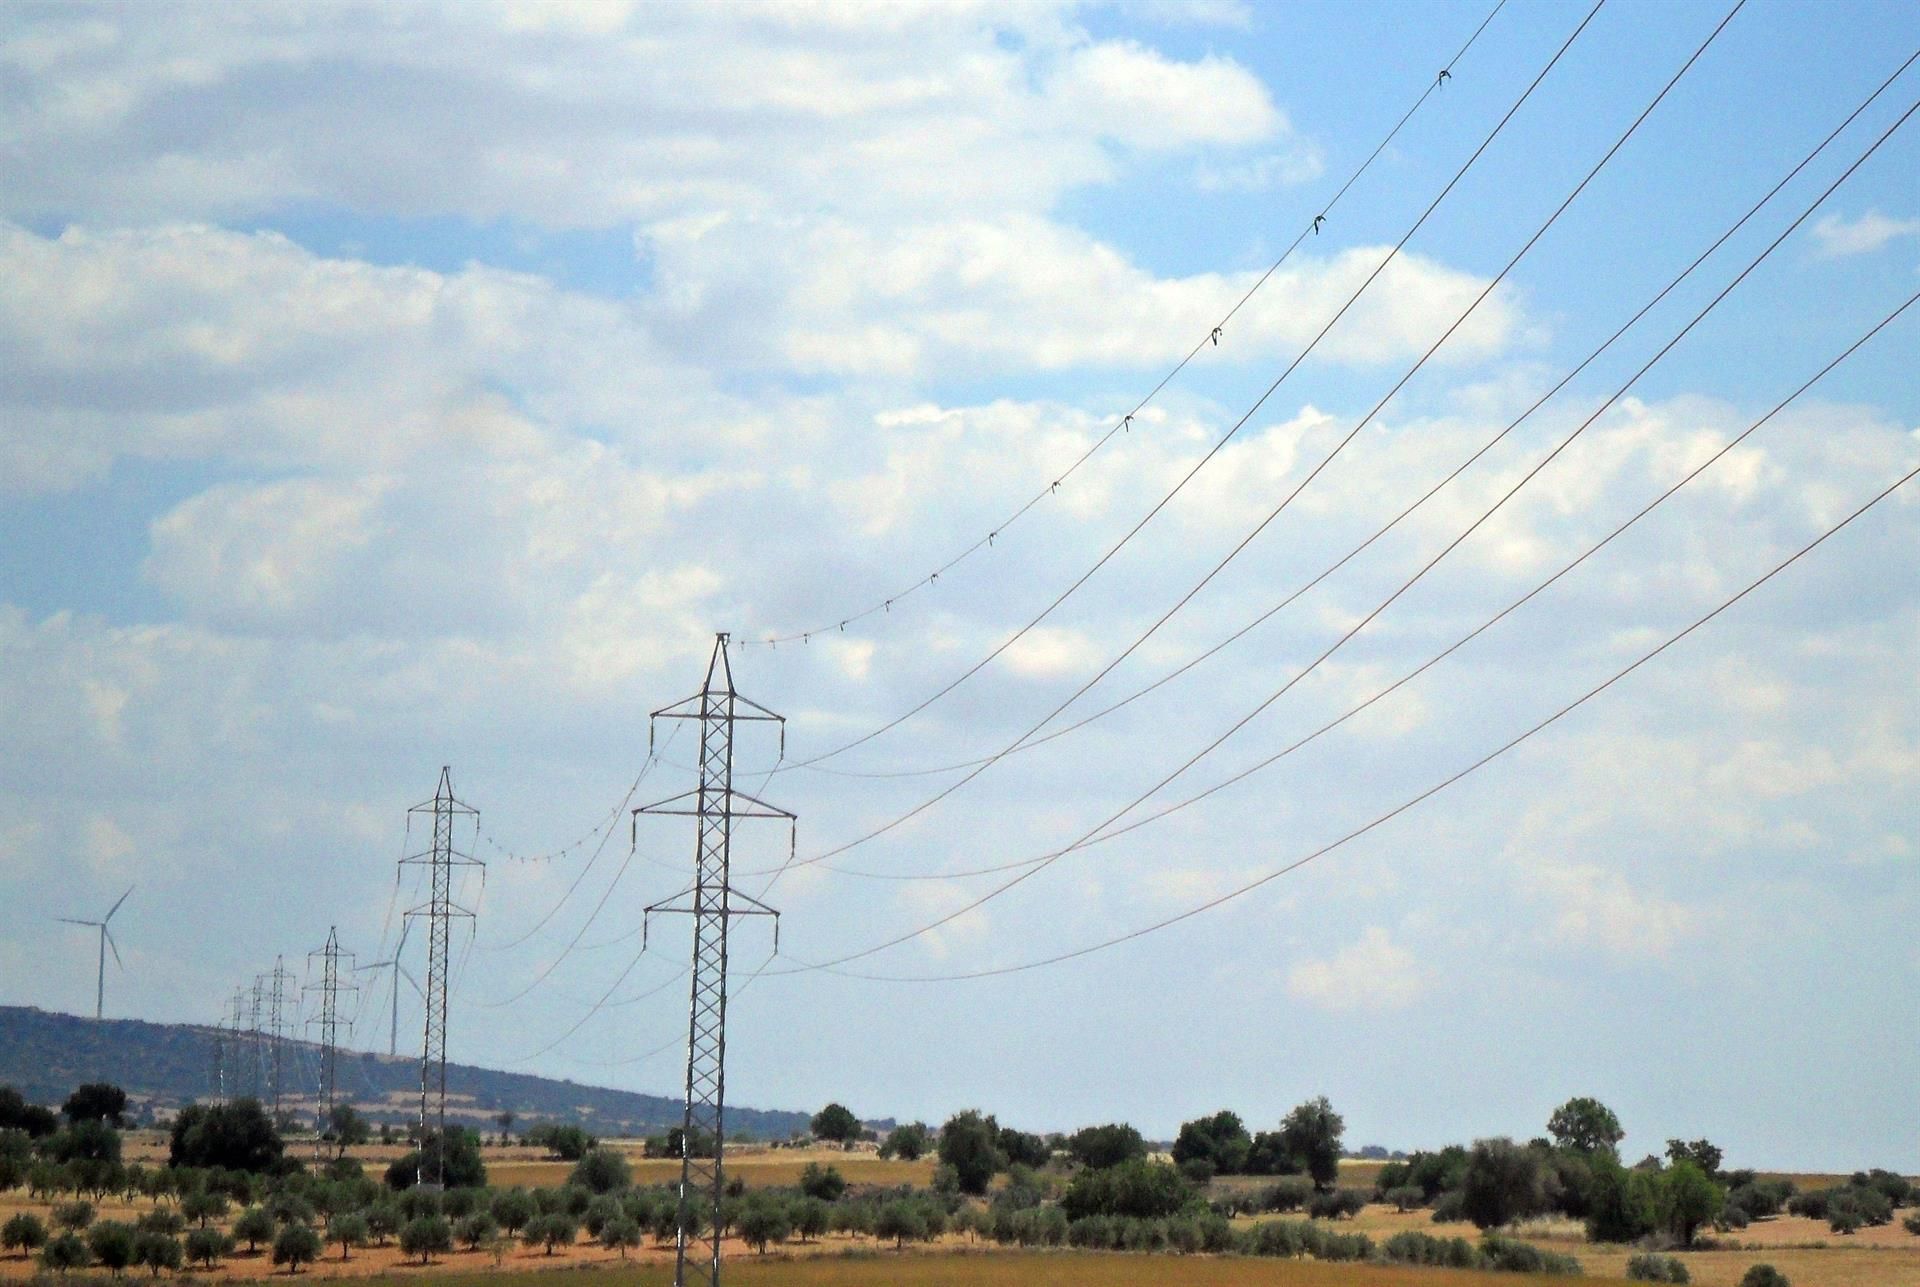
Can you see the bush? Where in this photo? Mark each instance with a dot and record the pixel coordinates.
(1411, 1247)
(1911, 1224)
(1652, 1267)
(1405, 1197)
(1510, 1255)
(1336, 1203)
(1287, 1195)
(1450, 1208)
(1764, 1276)
(1141, 1189)
(296, 1245)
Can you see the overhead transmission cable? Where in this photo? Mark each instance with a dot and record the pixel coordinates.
(1125, 422)
(1088, 837)
(1219, 444)
(1406, 805)
(1294, 595)
(1360, 424)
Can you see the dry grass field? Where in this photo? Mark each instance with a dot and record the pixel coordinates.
(1032, 1269)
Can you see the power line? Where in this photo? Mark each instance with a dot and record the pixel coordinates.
(1124, 424)
(1455, 473)
(1047, 860)
(1221, 443)
(1407, 805)
(1286, 501)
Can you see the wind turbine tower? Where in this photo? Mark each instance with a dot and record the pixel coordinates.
(106, 941)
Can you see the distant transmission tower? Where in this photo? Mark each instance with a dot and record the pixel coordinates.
(276, 997)
(711, 903)
(441, 858)
(256, 1042)
(330, 987)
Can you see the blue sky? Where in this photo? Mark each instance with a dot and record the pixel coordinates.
(393, 388)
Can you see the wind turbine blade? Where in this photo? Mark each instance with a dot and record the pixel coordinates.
(116, 905)
(408, 975)
(68, 920)
(115, 946)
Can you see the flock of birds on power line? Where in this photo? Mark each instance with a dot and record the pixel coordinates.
(1876, 124)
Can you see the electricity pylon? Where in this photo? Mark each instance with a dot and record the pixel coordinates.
(330, 987)
(276, 998)
(711, 902)
(439, 909)
(256, 1042)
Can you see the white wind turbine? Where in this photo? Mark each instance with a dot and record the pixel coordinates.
(106, 941)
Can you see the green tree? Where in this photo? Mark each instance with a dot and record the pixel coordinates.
(16, 1157)
(23, 1233)
(296, 1245)
(206, 1246)
(764, 1220)
(477, 1229)
(64, 1252)
(1586, 1125)
(1136, 1189)
(621, 1234)
(383, 1221)
(1220, 1140)
(235, 1136)
(1104, 1146)
(910, 1142)
(969, 1143)
(504, 1120)
(1764, 1276)
(901, 1220)
(255, 1226)
(349, 1229)
(1620, 1203)
(17, 1114)
(1023, 1148)
(602, 1170)
(512, 1208)
(822, 1182)
(73, 1216)
(463, 1166)
(89, 1140)
(1503, 1183)
(157, 1251)
(97, 1101)
(1688, 1198)
(347, 1128)
(1702, 1153)
(837, 1124)
(202, 1205)
(426, 1235)
(555, 1229)
(112, 1245)
(1311, 1133)
(811, 1216)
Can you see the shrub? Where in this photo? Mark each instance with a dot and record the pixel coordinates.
(1137, 1188)
(1652, 1267)
(1450, 1208)
(296, 1245)
(1405, 1197)
(1335, 1203)
(1412, 1247)
(1732, 1217)
(1912, 1224)
(1764, 1276)
(1510, 1255)
(1287, 1195)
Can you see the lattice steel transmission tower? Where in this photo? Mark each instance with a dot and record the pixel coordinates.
(330, 987)
(440, 910)
(274, 986)
(256, 1042)
(713, 903)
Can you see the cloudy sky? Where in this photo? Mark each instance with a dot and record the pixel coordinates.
(390, 386)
